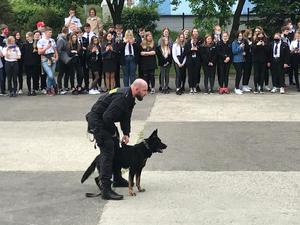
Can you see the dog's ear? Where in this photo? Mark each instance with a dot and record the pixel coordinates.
(154, 134)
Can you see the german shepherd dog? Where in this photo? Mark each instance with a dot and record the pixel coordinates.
(133, 157)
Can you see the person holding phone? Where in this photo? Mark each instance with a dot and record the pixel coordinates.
(11, 54)
(72, 22)
(238, 51)
(49, 56)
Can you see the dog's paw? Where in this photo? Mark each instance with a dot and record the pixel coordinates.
(132, 193)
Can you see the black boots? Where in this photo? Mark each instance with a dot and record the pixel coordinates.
(106, 192)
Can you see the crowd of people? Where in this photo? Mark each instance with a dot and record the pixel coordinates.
(89, 59)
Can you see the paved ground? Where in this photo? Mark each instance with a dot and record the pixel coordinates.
(230, 160)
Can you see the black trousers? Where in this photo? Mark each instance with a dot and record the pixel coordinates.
(32, 77)
(239, 68)
(223, 73)
(295, 67)
(117, 74)
(259, 74)
(277, 71)
(148, 76)
(62, 73)
(105, 142)
(209, 74)
(20, 74)
(193, 68)
(11, 69)
(180, 76)
(247, 71)
(75, 67)
(267, 75)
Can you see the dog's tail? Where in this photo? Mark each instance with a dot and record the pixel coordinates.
(90, 170)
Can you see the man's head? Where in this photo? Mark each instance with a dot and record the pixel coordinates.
(139, 89)
(4, 30)
(72, 11)
(87, 28)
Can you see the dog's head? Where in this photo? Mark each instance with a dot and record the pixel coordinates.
(154, 143)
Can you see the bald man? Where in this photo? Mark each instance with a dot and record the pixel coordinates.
(114, 106)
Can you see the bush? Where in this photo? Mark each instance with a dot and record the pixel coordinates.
(6, 15)
(140, 16)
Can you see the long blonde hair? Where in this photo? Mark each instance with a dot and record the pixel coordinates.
(128, 35)
(165, 47)
(178, 39)
(145, 44)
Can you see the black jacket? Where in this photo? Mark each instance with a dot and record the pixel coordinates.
(147, 62)
(208, 54)
(115, 106)
(284, 53)
(224, 51)
(161, 59)
(189, 53)
(121, 49)
(30, 57)
(260, 52)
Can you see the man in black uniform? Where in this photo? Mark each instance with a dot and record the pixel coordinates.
(114, 106)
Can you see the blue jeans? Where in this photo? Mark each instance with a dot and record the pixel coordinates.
(129, 69)
(50, 71)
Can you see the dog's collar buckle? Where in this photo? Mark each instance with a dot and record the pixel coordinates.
(146, 144)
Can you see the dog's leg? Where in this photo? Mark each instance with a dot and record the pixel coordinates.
(138, 180)
(130, 182)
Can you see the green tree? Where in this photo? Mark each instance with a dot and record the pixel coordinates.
(211, 12)
(271, 13)
(6, 14)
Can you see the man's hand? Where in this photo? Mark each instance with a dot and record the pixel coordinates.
(125, 139)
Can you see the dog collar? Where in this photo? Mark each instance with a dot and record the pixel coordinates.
(146, 144)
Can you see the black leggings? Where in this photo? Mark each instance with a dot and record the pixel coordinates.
(193, 72)
(32, 76)
(20, 74)
(223, 74)
(295, 67)
(239, 68)
(11, 70)
(75, 67)
(259, 74)
(209, 74)
(148, 76)
(247, 71)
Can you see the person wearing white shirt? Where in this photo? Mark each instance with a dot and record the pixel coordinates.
(180, 60)
(11, 54)
(295, 57)
(72, 22)
(49, 56)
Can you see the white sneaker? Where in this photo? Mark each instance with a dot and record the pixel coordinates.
(249, 88)
(238, 91)
(44, 91)
(20, 92)
(194, 90)
(63, 92)
(94, 92)
(282, 90)
(245, 89)
(267, 88)
(152, 91)
(274, 90)
(191, 91)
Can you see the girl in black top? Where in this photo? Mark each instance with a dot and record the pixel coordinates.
(224, 61)
(20, 43)
(259, 59)
(209, 57)
(94, 61)
(74, 50)
(32, 63)
(164, 56)
(109, 57)
(192, 52)
(148, 60)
